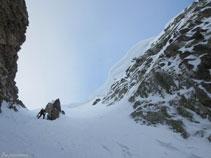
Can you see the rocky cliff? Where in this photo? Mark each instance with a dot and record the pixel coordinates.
(170, 83)
(13, 24)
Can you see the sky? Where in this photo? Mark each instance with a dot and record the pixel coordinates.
(72, 44)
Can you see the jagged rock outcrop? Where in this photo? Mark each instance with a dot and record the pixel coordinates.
(53, 109)
(13, 24)
(171, 81)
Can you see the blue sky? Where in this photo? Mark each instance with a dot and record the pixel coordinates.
(72, 44)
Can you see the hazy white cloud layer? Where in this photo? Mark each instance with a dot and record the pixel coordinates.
(72, 44)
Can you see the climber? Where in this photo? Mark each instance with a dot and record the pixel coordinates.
(42, 112)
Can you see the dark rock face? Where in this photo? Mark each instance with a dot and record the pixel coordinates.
(13, 24)
(176, 70)
(53, 110)
(96, 101)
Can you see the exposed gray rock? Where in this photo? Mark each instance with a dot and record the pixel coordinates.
(57, 105)
(178, 126)
(183, 112)
(49, 107)
(53, 114)
(13, 24)
(53, 109)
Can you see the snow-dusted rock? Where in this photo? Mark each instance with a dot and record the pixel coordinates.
(170, 81)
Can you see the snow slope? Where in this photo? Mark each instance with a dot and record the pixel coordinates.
(92, 132)
(118, 70)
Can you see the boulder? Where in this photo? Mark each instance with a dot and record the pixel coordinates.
(53, 109)
(53, 114)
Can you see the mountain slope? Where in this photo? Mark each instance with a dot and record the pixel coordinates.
(170, 82)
